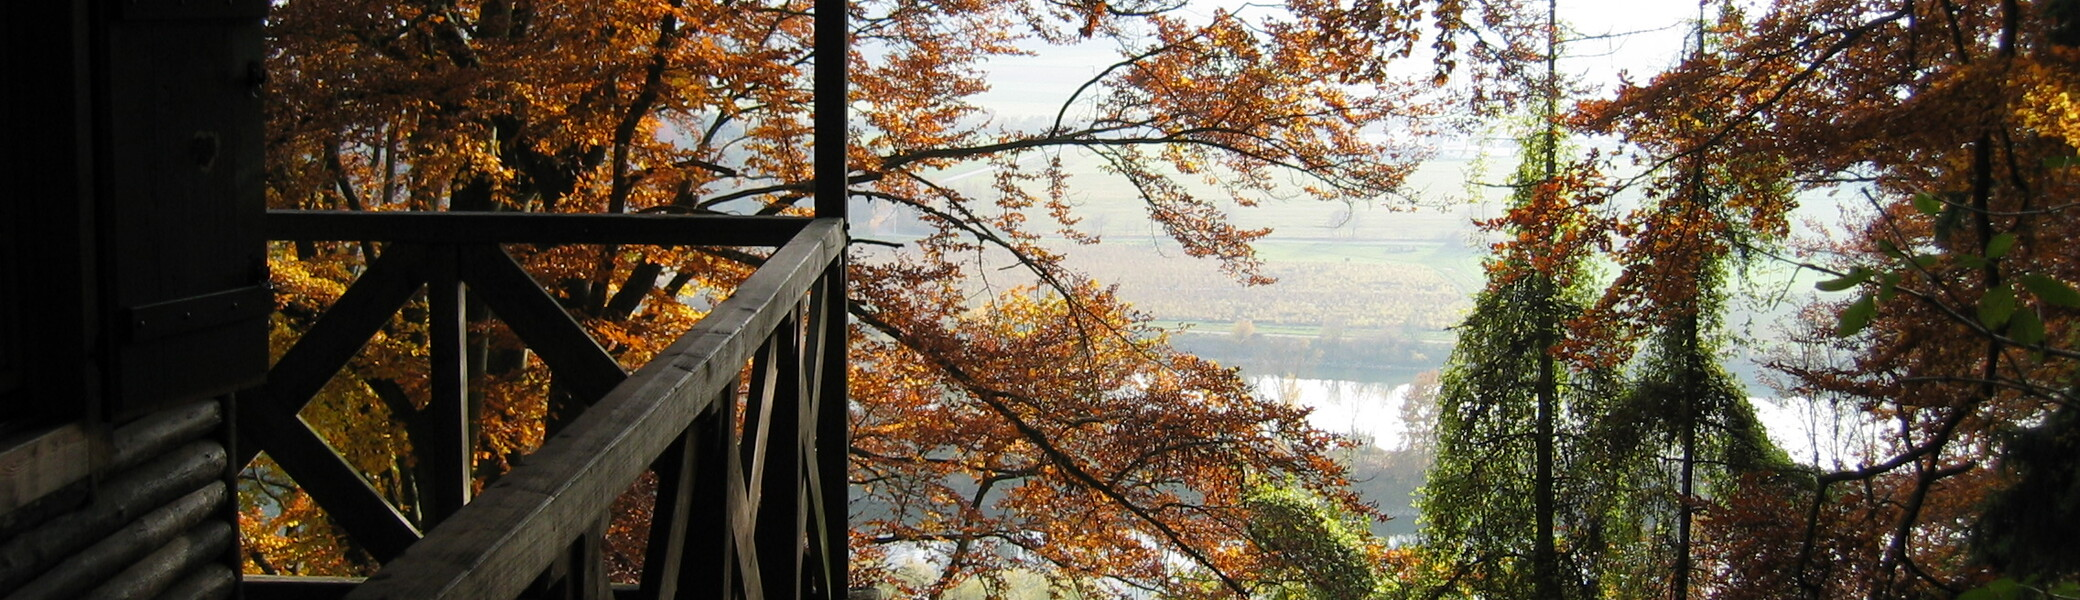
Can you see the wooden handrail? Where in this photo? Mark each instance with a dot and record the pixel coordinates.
(530, 228)
(522, 523)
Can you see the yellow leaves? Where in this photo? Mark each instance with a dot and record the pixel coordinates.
(308, 285)
(2046, 100)
(283, 532)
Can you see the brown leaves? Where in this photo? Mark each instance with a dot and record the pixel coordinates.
(1039, 402)
(981, 415)
(1953, 114)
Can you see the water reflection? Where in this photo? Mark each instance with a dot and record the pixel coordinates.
(1363, 410)
(1828, 435)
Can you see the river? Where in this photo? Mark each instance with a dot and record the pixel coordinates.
(1359, 409)
(1814, 433)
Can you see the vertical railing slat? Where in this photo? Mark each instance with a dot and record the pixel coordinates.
(780, 517)
(665, 554)
(709, 570)
(832, 436)
(442, 438)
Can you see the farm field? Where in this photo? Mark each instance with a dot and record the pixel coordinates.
(1406, 287)
(1402, 270)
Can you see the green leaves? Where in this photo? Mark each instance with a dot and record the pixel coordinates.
(2007, 588)
(1996, 306)
(2051, 290)
(1928, 204)
(2026, 327)
(2000, 245)
(1998, 589)
(1858, 316)
(2000, 307)
(1999, 310)
(1844, 282)
(1316, 544)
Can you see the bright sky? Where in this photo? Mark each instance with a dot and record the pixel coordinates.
(1641, 37)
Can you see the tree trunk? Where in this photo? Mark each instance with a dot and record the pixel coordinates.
(1693, 379)
(1545, 556)
(1685, 512)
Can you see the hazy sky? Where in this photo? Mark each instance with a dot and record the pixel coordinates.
(1642, 37)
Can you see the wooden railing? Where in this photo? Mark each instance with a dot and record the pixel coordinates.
(748, 505)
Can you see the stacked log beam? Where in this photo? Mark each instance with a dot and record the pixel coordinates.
(156, 525)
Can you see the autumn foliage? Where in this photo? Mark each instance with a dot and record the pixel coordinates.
(1944, 120)
(1042, 426)
(1034, 422)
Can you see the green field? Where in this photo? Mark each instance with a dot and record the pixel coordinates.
(1386, 274)
(1363, 288)
(1387, 271)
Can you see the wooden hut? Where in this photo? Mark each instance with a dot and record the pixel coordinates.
(135, 380)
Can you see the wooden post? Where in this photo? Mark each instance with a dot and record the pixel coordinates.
(832, 48)
(443, 438)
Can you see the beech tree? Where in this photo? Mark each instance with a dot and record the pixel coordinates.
(1043, 427)
(1673, 444)
(1683, 432)
(1512, 506)
(1952, 118)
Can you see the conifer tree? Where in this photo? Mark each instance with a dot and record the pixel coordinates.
(1502, 484)
(1682, 426)
(1503, 479)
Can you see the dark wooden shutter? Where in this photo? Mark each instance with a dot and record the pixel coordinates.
(179, 218)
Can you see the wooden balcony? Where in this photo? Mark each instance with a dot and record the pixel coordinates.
(751, 485)
(127, 388)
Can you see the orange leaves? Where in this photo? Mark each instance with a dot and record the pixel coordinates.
(1957, 120)
(981, 416)
(1554, 226)
(1056, 401)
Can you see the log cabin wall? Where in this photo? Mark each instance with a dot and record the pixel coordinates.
(134, 315)
(131, 296)
(156, 522)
